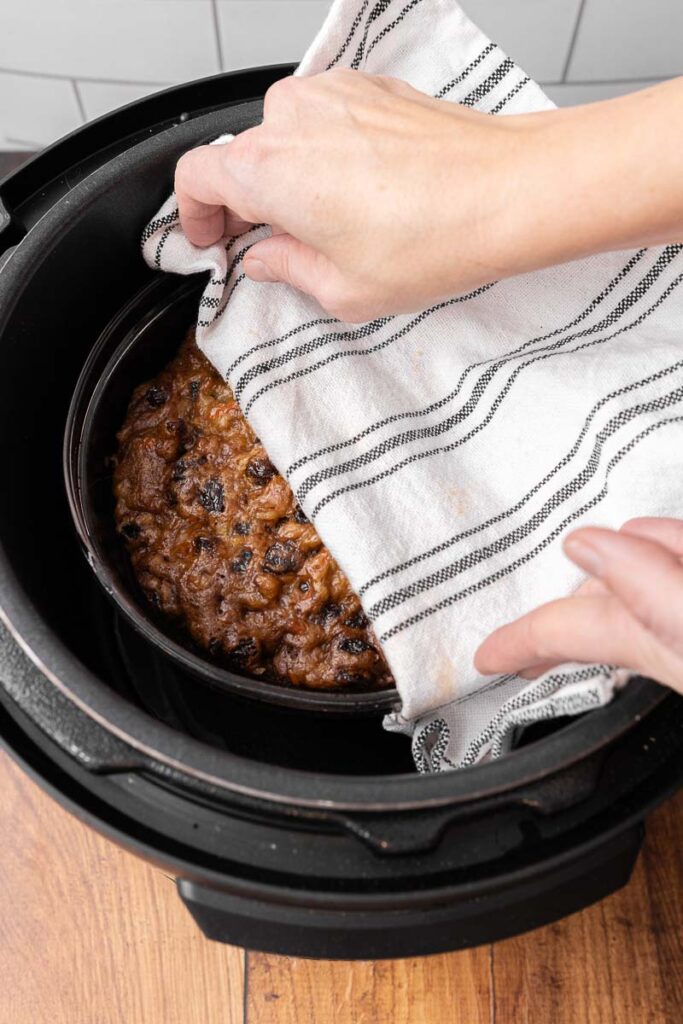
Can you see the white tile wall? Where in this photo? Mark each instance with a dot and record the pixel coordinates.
(534, 33)
(81, 58)
(127, 40)
(35, 111)
(629, 39)
(99, 98)
(257, 32)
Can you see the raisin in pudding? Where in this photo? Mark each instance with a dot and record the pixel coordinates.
(220, 546)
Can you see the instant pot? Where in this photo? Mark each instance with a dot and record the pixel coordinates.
(298, 830)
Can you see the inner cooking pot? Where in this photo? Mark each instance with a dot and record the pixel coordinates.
(135, 346)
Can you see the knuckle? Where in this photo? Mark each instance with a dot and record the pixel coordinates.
(184, 171)
(536, 639)
(339, 304)
(346, 300)
(280, 94)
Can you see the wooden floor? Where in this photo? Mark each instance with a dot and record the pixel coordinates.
(91, 935)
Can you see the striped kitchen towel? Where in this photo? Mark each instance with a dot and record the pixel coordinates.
(443, 455)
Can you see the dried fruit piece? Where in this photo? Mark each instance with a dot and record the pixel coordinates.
(261, 470)
(131, 530)
(179, 470)
(156, 396)
(328, 612)
(241, 563)
(204, 543)
(355, 645)
(357, 621)
(242, 528)
(300, 515)
(244, 650)
(211, 496)
(282, 557)
(353, 680)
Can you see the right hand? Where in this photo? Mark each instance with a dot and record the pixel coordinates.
(383, 199)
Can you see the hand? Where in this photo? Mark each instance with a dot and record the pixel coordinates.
(628, 613)
(384, 200)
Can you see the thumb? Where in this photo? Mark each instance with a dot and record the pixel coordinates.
(284, 258)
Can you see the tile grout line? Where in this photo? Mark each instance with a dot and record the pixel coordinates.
(81, 78)
(572, 41)
(79, 100)
(245, 998)
(607, 81)
(25, 142)
(217, 34)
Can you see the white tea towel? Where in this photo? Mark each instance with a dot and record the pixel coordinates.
(443, 455)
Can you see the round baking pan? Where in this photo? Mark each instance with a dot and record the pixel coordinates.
(133, 347)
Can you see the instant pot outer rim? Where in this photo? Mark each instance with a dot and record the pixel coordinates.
(223, 769)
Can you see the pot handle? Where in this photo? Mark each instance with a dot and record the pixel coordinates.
(421, 831)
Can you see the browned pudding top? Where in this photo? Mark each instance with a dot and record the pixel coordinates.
(219, 544)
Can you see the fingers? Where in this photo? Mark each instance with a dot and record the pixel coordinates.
(283, 258)
(213, 199)
(645, 576)
(668, 532)
(594, 628)
(629, 613)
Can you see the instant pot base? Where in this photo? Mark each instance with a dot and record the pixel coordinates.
(289, 834)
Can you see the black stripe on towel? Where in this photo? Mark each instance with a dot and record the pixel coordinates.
(513, 92)
(468, 70)
(159, 222)
(376, 12)
(389, 28)
(494, 79)
(352, 31)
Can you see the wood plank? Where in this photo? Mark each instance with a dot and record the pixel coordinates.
(450, 989)
(619, 962)
(89, 934)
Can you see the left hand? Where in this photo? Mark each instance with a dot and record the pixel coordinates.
(628, 613)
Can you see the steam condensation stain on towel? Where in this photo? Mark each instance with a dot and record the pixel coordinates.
(418, 369)
(458, 500)
(445, 681)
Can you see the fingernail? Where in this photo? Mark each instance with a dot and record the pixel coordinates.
(584, 555)
(258, 271)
